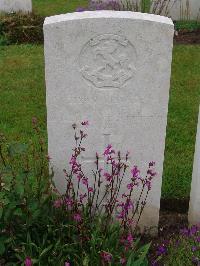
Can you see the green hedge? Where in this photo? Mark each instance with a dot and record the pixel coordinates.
(20, 28)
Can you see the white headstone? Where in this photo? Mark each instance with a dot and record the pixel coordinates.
(113, 69)
(194, 208)
(9, 6)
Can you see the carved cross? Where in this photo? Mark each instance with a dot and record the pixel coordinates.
(89, 159)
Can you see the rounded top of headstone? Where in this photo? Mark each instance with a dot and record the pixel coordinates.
(108, 14)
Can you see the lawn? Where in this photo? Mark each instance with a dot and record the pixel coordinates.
(22, 89)
(53, 7)
(182, 121)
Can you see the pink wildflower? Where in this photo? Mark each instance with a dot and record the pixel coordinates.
(108, 150)
(67, 263)
(106, 256)
(69, 201)
(72, 160)
(120, 204)
(79, 176)
(90, 189)
(75, 165)
(130, 238)
(85, 181)
(135, 172)
(114, 164)
(77, 217)
(121, 215)
(107, 176)
(28, 261)
(151, 164)
(85, 123)
(128, 205)
(110, 159)
(122, 261)
(127, 241)
(58, 203)
(130, 221)
(148, 185)
(151, 172)
(130, 186)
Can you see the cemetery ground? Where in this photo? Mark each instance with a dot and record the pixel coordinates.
(22, 89)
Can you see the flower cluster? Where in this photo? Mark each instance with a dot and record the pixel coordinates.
(94, 222)
(105, 5)
(101, 5)
(90, 197)
(106, 256)
(187, 242)
(159, 7)
(28, 261)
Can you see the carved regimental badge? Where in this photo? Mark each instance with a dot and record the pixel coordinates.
(108, 61)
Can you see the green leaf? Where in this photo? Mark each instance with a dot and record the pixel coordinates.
(131, 259)
(36, 214)
(34, 246)
(1, 212)
(18, 212)
(144, 249)
(2, 247)
(20, 258)
(141, 253)
(5, 201)
(33, 206)
(86, 261)
(19, 188)
(46, 250)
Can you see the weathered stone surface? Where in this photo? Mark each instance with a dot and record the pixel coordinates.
(194, 208)
(15, 6)
(113, 69)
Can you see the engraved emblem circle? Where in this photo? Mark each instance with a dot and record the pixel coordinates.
(108, 60)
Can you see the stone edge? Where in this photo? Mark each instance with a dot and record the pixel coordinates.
(108, 14)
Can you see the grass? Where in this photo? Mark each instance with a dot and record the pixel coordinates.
(187, 25)
(22, 91)
(182, 121)
(54, 7)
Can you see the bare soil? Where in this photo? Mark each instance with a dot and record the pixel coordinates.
(187, 37)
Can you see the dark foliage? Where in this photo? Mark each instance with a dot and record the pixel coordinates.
(20, 28)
